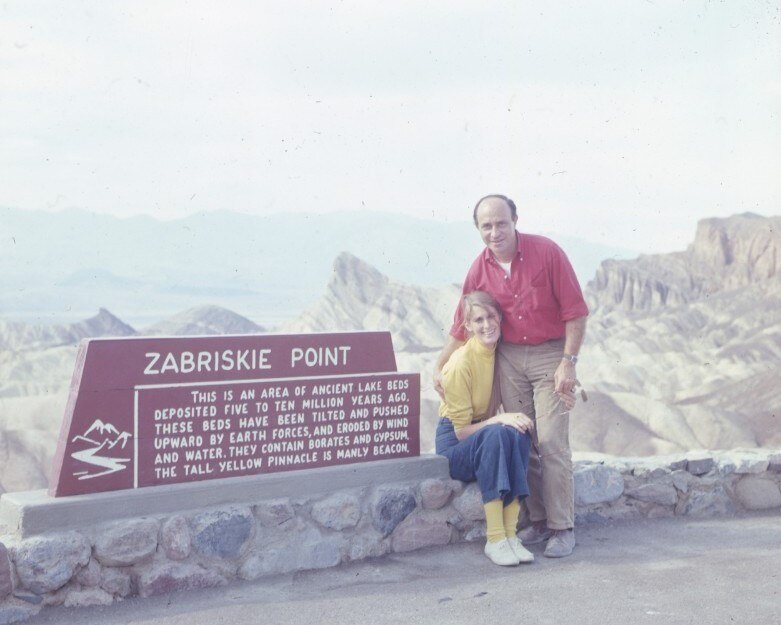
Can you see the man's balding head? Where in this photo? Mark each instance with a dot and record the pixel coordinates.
(495, 198)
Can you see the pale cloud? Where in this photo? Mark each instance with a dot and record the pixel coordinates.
(622, 121)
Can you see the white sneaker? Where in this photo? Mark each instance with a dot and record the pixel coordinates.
(501, 553)
(523, 554)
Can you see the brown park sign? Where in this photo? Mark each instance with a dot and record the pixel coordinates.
(150, 411)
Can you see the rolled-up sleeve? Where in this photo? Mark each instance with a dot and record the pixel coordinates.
(566, 288)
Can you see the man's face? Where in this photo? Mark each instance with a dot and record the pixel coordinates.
(497, 228)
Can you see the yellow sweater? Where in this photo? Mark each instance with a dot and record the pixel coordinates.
(467, 379)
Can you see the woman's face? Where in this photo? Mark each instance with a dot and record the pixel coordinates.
(483, 324)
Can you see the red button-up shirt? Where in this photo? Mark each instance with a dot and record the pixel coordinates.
(537, 298)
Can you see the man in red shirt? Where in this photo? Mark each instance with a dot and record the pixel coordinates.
(543, 324)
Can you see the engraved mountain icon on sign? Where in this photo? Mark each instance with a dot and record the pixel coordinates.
(102, 437)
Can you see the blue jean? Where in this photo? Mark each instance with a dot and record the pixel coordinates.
(496, 456)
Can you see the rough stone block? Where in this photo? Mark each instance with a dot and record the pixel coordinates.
(321, 555)
(457, 522)
(458, 486)
(260, 565)
(663, 494)
(116, 582)
(751, 464)
(659, 512)
(89, 576)
(681, 480)
(367, 545)
(700, 466)
(13, 611)
(678, 465)
(87, 597)
(390, 507)
(274, 513)
(757, 493)
(587, 516)
(596, 484)
(158, 579)
(705, 500)
(50, 598)
(308, 552)
(651, 473)
(45, 563)
(622, 465)
(434, 493)
(127, 542)
(222, 533)
(743, 462)
(337, 512)
(475, 533)
(469, 504)
(774, 463)
(420, 531)
(175, 538)
(6, 580)
(622, 508)
(630, 482)
(726, 466)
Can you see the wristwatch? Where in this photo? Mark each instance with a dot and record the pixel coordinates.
(570, 357)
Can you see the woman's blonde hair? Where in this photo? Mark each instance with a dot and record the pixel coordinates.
(481, 299)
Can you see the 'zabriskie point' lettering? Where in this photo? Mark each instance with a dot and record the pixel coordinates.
(239, 360)
(152, 411)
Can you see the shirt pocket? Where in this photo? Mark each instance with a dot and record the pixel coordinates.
(540, 280)
(540, 298)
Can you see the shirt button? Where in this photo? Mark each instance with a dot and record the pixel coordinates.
(524, 338)
(516, 295)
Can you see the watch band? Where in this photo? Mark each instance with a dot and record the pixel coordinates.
(573, 359)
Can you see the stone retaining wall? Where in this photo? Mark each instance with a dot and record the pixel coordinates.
(105, 562)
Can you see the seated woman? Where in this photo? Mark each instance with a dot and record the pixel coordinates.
(494, 450)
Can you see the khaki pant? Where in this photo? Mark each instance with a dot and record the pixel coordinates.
(526, 382)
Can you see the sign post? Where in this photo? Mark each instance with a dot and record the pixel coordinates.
(150, 411)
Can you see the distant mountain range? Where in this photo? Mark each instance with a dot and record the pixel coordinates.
(682, 351)
(60, 266)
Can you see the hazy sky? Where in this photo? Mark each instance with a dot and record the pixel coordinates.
(622, 122)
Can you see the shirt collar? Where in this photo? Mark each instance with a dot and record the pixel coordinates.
(489, 257)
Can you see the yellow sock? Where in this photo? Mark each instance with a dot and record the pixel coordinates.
(510, 518)
(494, 521)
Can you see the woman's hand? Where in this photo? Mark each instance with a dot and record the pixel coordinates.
(516, 420)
